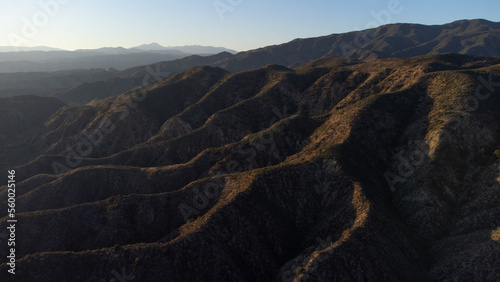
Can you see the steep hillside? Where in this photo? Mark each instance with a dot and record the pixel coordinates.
(132, 78)
(49, 83)
(20, 116)
(48, 61)
(336, 170)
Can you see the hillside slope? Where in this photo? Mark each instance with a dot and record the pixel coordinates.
(20, 117)
(335, 170)
(49, 83)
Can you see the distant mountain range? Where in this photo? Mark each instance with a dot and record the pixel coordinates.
(471, 37)
(188, 49)
(43, 59)
(27, 49)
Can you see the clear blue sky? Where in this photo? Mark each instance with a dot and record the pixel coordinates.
(238, 24)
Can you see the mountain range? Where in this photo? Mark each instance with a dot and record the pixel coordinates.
(187, 49)
(295, 162)
(27, 49)
(45, 59)
(470, 37)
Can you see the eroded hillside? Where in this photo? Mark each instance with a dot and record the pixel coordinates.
(335, 170)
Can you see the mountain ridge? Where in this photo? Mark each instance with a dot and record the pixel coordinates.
(273, 174)
(32, 59)
(477, 37)
(474, 37)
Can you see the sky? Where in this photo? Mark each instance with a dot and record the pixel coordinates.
(236, 24)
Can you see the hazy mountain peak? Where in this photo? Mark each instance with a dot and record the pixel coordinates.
(150, 46)
(189, 49)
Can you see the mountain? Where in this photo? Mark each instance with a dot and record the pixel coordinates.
(337, 169)
(38, 59)
(474, 37)
(133, 78)
(27, 49)
(189, 49)
(470, 37)
(78, 87)
(41, 61)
